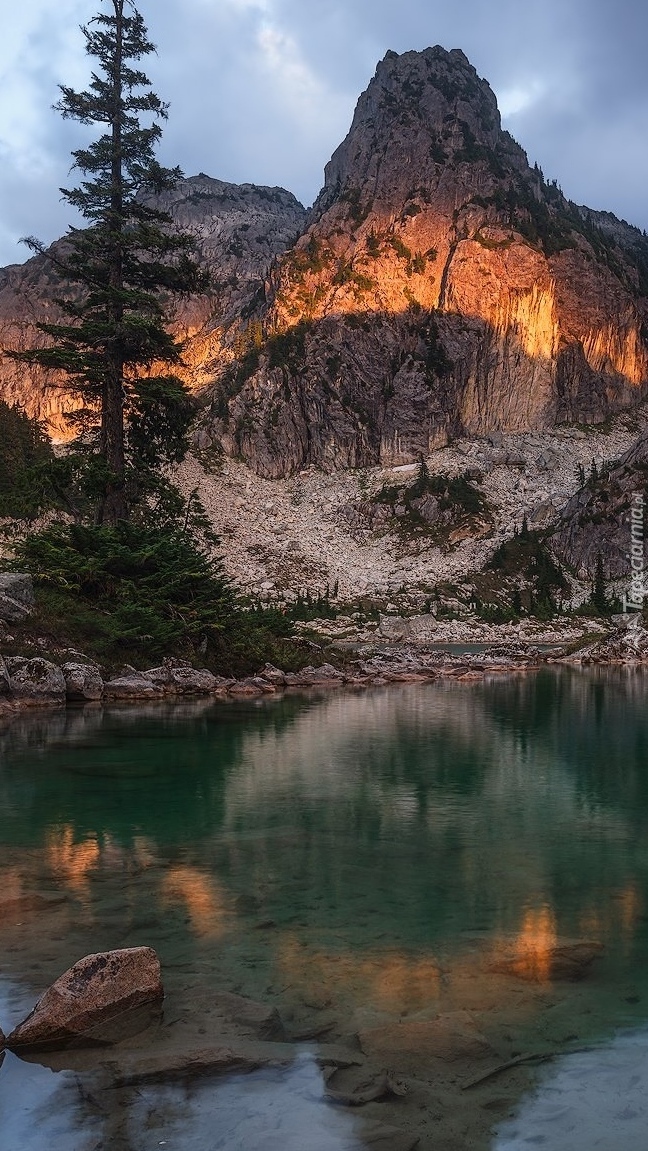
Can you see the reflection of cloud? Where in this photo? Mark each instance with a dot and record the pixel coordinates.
(203, 900)
(590, 1099)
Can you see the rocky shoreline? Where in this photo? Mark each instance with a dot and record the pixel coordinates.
(397, 650)
(38, 681)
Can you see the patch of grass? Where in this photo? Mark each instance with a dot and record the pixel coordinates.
(458, 501)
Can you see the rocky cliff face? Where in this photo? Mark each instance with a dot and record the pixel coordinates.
(598, 520)
(240, 231)
(441, 287)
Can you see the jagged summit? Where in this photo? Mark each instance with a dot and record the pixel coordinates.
(240, 230)
(431, 109)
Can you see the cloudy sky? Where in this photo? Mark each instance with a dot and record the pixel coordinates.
(264, 90)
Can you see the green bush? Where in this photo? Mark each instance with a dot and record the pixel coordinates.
(152, 589)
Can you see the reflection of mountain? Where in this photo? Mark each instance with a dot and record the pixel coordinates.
(475, 803)
(411, 815)
(153, 771)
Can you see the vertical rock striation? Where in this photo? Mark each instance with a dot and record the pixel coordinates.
(442, 286)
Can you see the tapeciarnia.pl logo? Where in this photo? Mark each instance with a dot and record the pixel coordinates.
(633, 599)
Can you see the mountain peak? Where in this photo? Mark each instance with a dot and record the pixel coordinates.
(421, 111)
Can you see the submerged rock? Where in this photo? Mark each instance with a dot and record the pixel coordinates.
(357, 1087)
(248, 1015)
(451, 1038)
(169, 1064)
(380, 1137)
(92, 993)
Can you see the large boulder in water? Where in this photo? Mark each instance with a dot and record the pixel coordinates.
(88, 996)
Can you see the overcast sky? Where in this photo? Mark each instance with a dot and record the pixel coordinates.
(264, 90)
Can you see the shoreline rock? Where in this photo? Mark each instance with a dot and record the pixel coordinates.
(35, 681)
(89, 996)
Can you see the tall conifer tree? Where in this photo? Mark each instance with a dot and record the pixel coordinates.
(112, 341)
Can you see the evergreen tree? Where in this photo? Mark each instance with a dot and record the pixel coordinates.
(422, 481)
(599, 596)
(112, 341)
(594, 473)
(25, 456)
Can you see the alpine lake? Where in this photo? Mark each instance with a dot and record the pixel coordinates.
(369, 863)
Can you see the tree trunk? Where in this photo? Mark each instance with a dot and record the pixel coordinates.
(114, 505)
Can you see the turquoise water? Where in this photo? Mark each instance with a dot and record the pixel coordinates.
(351, 858)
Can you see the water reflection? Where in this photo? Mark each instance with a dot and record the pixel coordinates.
(206, 904)
(534, 945)
(431, 810)
(342, 855)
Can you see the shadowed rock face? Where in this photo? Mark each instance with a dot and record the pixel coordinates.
(439, 286)
(598, 519)
(445, 288)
